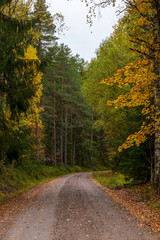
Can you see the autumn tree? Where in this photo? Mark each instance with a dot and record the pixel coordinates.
(33, 115)
(16, 73)
(145, 34)
(142, 76)
(116, 123)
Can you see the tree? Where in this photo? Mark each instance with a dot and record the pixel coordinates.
(18, 9)
(16, 73)
(69, 116)
(44, 30)
(116, 123)
(142, 76)
(33, 117)
(145, 34)
(26, 121)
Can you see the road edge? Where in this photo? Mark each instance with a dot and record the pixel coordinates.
(126, 199)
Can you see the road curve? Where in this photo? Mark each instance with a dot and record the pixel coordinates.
(74, 208)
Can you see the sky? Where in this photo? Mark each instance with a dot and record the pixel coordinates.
(81, 38)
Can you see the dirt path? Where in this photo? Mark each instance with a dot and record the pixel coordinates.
(72, 208)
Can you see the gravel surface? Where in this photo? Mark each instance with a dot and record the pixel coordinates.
(72, 208)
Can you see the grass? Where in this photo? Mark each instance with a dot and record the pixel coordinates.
(111, 180)
(15, 180)
(143, 192)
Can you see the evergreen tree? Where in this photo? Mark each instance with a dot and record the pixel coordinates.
(44, 29)
(16, 84)
(69, 116)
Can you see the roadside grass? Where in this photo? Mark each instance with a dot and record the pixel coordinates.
(141, 192)
(111, 180)
(17, 179)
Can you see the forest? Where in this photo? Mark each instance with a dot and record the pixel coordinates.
(58, 111)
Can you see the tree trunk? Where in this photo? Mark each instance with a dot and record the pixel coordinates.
(101, 144)
(71, 138)
(54, 127)
(37, 126)
(151, 160)
(157, 135)
(74, 145)
(1, 159)
(37, 136)
(61, 131)
(157, 98)
(157, 141)
(92, 143)
(65, 141)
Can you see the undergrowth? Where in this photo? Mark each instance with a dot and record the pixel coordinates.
(142, 192)
(111, 180)
(17, 179)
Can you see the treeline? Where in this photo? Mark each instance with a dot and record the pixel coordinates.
(43, 114)
(67, 118)
(121, 85)
(44, 117)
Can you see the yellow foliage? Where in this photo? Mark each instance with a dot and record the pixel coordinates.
(32, 118)
(141, 77)
(30, 53)
(138, 137)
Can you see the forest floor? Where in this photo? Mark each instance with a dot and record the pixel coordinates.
(140, 200)
(72, 207)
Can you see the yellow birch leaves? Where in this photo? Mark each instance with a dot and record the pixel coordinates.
(33, 119)
(138, 79)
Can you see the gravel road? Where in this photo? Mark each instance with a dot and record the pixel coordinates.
(73, 208)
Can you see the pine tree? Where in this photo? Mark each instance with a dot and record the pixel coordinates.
(63, 81)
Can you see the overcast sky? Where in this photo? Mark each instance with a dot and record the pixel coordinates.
(80, 38)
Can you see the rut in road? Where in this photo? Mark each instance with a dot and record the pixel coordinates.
(75, 208)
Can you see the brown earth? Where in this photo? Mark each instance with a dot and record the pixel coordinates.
(70, 208)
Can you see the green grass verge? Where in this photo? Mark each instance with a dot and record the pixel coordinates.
(111, 180)
(15, 180)
(143, 192)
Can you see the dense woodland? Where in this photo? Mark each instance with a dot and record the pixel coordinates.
(58, 110)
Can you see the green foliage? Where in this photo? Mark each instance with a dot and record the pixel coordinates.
(116, 123)
(62, 82)
(43, 29)
(111, 180)
(5, 2)
(112, 54)
(16, 84)
(15, 180)
(135, 163)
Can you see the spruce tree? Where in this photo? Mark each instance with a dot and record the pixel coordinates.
(16, 86)
(44, 29)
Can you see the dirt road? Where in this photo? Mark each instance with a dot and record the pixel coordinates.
(72, 208)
